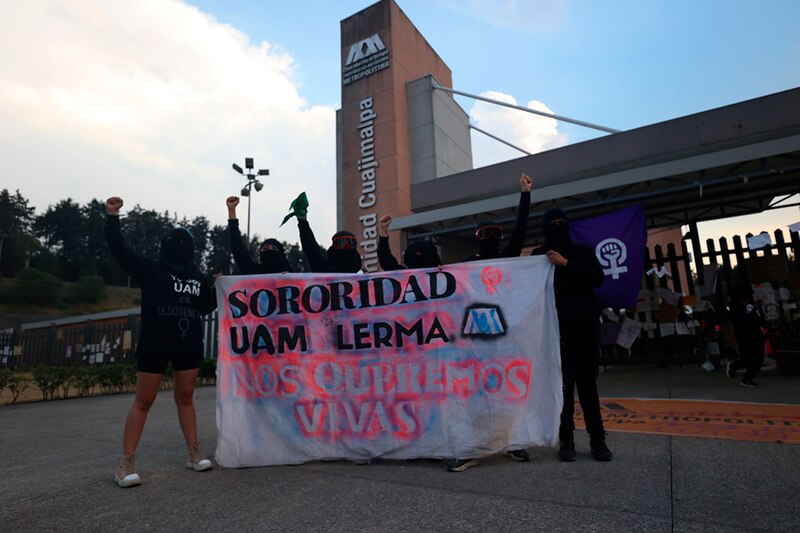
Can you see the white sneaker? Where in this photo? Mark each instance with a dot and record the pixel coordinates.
(200, 466)
(125, 476)
(196, 460)
(131, 480)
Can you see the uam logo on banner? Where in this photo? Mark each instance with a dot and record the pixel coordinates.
(365, 58)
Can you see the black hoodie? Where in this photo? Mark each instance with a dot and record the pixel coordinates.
(271, 262)
(338, 261)
(575, 283)
(490, 249)
(418, 254)
(174, 293)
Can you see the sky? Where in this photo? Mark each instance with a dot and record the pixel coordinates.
(154, 100)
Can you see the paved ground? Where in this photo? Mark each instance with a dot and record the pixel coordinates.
(57, 460)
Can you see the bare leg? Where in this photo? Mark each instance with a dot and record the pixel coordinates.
(146, 390)
(184, 400)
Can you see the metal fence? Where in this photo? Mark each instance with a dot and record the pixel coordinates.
(694, 340)
(90, 342)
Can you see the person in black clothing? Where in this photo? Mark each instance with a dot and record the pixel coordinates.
(577, 274)
(418, 254)
(174, 296)
(747, 324)
(342, 257)
(489, 236)
(272, 258)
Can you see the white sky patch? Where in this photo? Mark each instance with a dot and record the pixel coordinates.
(533, 133)
(153, 101)
(531, 16)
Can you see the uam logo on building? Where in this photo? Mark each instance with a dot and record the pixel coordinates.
(483, 320)
(366, 57)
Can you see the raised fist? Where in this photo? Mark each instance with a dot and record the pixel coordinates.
(232, 202)
(383, 227)
(525, 183)
(113, 205)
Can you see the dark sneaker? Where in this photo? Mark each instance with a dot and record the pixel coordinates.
(517, 455)
(459, 465)
(566, 451)
(730, 371)
(600, 451)
(749, 383)
(361, 462)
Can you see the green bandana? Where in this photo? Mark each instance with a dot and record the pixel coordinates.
(299, 208)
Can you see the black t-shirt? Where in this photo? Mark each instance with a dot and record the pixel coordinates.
(172, 303)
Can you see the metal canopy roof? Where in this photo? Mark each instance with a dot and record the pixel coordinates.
(725, 162)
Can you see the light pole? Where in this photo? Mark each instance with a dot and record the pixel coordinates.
(252, 183)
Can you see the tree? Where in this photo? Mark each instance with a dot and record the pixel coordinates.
(144, 230)
(61, 230)
(199, 227)
(218, 256)
(16, 244)
(296, 257)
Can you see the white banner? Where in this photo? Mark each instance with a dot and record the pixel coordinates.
(456, 362)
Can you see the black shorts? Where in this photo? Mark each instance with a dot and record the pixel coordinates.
(156, 363)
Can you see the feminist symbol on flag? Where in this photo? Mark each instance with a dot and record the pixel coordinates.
(612, 253)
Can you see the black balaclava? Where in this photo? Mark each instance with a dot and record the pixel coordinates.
(488, 248)
(177, 251)
(273, 261)
(421, 254)
(556, 236)
(347, 260)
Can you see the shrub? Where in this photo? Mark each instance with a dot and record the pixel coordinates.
(17, 385)
(89, 289)
(36, 287)
(48, 379)
(85, 379)
(208, 372)
(112, 378)
(5, 375)
(67, 375)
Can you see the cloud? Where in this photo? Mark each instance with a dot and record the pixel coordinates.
(530, 16)
(532, 133)
(153, 100)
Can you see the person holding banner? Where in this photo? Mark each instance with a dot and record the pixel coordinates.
(747, 328)
(271, 254)
(489, 235)
(174, 296)
(419, 254)
(343, 256)
(578, 272)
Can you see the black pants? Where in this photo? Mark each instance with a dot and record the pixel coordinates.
(751, 355)
(580, 361)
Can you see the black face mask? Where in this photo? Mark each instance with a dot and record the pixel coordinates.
(344, 261)
(273, 259)
(489, 248)
(556, 237)
(421, 254)
(177, 248)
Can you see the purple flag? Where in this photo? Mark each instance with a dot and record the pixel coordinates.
(619, 240)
